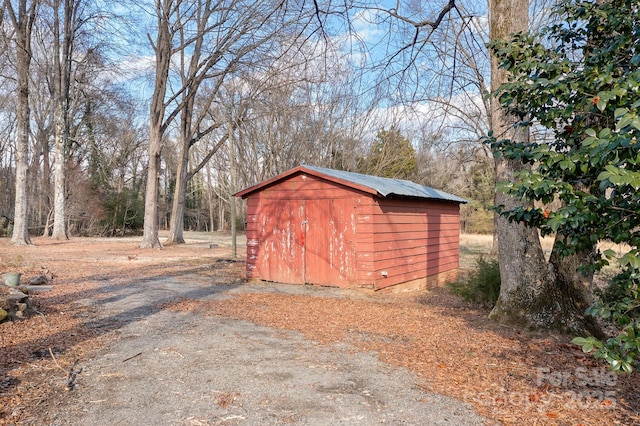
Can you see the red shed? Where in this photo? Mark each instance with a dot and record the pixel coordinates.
(312, 225)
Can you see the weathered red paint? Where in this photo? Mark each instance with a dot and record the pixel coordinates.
(305, 228)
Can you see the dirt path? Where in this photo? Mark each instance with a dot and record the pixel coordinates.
(184, 368)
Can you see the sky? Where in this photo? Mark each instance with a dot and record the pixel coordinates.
(370, 40)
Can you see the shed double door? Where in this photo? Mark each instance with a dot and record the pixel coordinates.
(309, 241)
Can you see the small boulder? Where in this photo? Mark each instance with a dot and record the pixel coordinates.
(15, 304)
(39, 280)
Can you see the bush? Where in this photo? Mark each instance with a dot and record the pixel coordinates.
(482, 285)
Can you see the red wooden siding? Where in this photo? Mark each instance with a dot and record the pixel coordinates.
(365, 255)
(305, 229)
(317, 248)
(414, 239)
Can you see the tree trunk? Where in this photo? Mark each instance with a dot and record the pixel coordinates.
(156, 125)
(191, 82)
(21, 221)
(212, 222)
(150, 236)
(62, 75)
(575, 288)
(45, 180)
(176, 224)
(22, 24)
(59, 193)
(232, 190)
(534, 294)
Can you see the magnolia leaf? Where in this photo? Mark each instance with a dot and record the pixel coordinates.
(624, 121)
(620, 112)
(626, 367)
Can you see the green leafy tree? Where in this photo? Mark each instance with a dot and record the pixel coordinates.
(579, 80)
(391, 155)
(480, 183)
(123, 213)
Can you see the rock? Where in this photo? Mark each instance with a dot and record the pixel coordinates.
(39, 280)
(15, 304)
(17, 298)
(11, 279)
(38, 288)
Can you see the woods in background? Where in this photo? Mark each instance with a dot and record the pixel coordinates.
(262, 88)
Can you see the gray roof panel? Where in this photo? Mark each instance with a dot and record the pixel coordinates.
(387, 187)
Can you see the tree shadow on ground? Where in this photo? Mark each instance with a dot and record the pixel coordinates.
(110, 290)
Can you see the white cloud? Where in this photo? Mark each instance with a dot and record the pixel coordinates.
(367, 28)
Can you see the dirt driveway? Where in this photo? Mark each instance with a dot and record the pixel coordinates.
(184, 368)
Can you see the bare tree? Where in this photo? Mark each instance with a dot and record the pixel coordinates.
(304, 109)
(22, 21)
(62, 52)
(163, 49)
(211, 40)
(211, 61)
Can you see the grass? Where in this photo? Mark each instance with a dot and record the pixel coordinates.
(475, 249)
(472, 246)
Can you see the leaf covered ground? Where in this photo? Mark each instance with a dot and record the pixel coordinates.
(507, 375)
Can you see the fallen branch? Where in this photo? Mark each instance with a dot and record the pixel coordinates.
(56, 361)
(132, 357)
(71, 373)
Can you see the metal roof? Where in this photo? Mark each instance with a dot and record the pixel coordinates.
(386, 186)
(383, 187)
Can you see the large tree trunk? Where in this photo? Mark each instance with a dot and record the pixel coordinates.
(62, 75)
(156, 125)
(150, 234)
(22, 24)
(525, 275)
(21, 220)
(533, 294)
(191, 82)
(45, 186)
(59, 173)
(176, 224)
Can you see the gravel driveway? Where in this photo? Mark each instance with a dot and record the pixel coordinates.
(183, 368)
